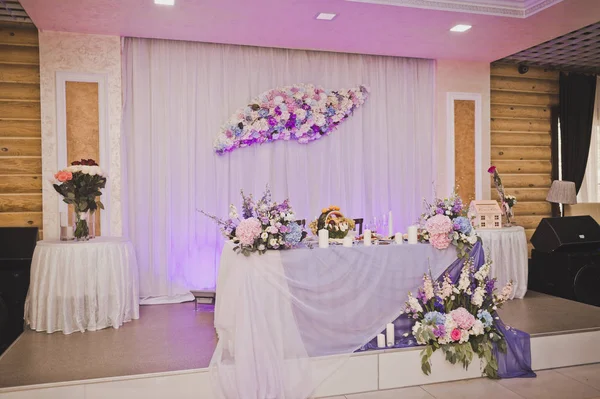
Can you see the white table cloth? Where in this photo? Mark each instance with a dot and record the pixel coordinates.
(78, 286)
(507, 248)
(288, 319)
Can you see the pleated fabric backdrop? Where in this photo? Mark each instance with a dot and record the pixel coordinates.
(178, 94)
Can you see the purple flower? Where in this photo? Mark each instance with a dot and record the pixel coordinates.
(421, 296)
(272, 121)
(439, 331)
(456, 226)
(489, 286)
(305, 107)
(284, 229)
(440, 211)
(278, 111)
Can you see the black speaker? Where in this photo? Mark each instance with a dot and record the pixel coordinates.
(571, 275)
(16, 251)
(567, 234)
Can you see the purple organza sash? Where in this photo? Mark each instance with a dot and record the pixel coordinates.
(516, 362)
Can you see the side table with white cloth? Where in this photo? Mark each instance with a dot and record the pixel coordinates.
(79, 286)
(507, 248)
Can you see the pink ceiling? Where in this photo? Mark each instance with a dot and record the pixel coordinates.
(358, 28)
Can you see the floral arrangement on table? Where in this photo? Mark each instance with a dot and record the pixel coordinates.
(300, 112)
(507, 201)
(334, 221)
(263, 225)
(445, 222)
(80, 186)
(459, 318)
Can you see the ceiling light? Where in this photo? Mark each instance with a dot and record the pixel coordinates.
(460, 28)
(326, 16)
(165, 2)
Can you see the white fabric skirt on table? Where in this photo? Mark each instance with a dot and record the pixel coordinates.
(79, 286)
(507, 248)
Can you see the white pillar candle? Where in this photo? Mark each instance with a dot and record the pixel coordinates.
(367, 238)
(347, 241)
(398, 238)
(412, 234)
(390, 225)
(389, 334)
(380, 341)
(323, 238)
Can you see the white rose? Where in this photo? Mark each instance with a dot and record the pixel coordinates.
(85, 169)
(261, 247)
(264, 235)
(448, 213)
(273, 242)
(74, 168)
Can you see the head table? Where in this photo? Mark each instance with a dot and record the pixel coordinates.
(287, 319)
(79, 286)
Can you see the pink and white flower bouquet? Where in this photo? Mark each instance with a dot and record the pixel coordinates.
(459, 318)
(445, 222)
(263, 225)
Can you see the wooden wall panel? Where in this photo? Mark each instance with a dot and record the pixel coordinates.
(464, 148)
(520, 137)
(83, 124)
(20, 127)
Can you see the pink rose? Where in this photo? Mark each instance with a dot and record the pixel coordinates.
(455, 334)
(492, 169)
(63, 176)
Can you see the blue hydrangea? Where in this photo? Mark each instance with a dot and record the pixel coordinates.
(293, 236)
(485, 317)
(434, 317)
(464, 225)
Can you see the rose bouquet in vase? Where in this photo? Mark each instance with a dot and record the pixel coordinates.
(507, 201)
(80, 186)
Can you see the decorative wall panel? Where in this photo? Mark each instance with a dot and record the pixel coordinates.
(464, 148)
(60, 51)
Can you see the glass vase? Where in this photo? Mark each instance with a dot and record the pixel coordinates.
(83, 225)
(508, 213)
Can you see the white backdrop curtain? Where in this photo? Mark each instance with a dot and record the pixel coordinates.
(589, 187)
(178, 94)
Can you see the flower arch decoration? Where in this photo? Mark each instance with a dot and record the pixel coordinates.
(303, 113)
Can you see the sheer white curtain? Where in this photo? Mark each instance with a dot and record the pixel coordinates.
(589, 187)
(177, 95)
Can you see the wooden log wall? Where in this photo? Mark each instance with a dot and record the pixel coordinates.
(20, 127)
(520, 138)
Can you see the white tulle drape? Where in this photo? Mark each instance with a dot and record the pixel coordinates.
(589, 187)
(178, 94)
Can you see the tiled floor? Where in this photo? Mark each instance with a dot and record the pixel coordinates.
(581, 382)
(174, 337)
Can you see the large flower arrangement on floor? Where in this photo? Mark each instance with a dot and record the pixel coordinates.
(459, 318)
(334, 221)
(301, 112)
(445, 222)
(80, 186)
(263, 225)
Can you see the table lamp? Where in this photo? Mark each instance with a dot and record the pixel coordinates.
(562, 192)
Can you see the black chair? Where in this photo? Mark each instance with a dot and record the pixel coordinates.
(358, 223)
(301, 222)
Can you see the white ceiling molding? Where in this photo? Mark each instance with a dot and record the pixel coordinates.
(501, 8)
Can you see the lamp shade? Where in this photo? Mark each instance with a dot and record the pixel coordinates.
(562, 192)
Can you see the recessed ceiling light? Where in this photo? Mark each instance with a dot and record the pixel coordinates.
(460, 28)
(165, 2)
(326, 16)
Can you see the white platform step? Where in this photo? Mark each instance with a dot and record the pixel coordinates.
(367, 371)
